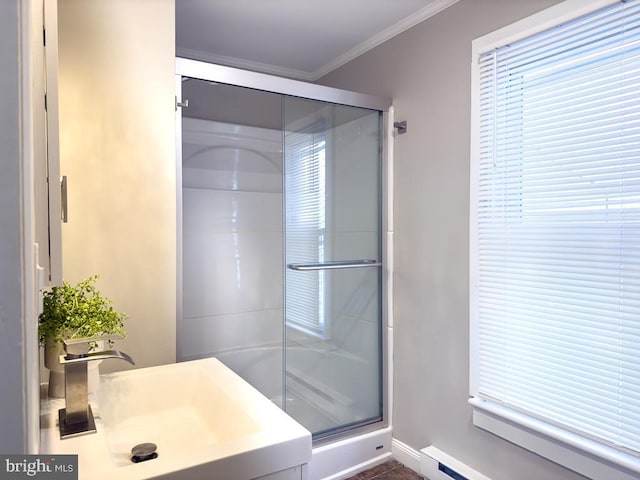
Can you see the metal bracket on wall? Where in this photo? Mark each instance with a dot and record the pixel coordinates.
(183, 104)
(401, 127)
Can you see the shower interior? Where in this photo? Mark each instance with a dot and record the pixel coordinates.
(271, 183)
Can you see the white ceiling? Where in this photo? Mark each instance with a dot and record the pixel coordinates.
(302, 39)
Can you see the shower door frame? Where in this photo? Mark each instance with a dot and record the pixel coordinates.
(270, 83)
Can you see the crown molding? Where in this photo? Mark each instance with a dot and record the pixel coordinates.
(433, 8)
(244, 64)
(421, 15)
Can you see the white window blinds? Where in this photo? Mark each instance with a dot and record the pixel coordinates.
(555, 231)
(305, 217)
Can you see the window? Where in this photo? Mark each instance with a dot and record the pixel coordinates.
(555, 235)
(305, 225)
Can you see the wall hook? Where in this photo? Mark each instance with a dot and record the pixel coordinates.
(401, 127)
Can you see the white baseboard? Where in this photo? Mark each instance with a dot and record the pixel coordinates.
(352, 471)
(345, 458)
(405, 454)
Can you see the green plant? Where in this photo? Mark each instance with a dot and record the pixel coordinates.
(78, 311)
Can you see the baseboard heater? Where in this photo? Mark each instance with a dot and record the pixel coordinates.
(437, 465)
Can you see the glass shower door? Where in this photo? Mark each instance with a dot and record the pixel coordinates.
(333, 275)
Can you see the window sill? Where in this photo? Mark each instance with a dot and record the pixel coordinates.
(579, 454)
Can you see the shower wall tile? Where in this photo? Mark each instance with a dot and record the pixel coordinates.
(231, 273)
(206, 178)
(249, 343)
(231, 157)
(206, 336)
(261, 367)
(232, 250)
(215, 211)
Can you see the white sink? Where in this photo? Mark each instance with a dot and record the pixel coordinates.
(180, 407)
(205, 420)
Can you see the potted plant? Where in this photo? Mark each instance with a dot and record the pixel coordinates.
(74, 311)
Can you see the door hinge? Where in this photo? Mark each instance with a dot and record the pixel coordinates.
(45, 102)
(44, 36)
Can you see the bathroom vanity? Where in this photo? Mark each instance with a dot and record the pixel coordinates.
(206, 421)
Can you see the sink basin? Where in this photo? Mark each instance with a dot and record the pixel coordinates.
(206, 421)
(196, 413)
(181, 408)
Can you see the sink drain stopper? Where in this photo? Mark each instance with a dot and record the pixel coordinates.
(143, 452)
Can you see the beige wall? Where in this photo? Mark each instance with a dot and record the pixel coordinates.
(427, 72)
(117, 87)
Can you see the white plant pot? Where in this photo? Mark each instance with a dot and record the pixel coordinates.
(52, 352)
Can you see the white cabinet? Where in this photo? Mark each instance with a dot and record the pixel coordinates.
(46, 140)
(296, 473)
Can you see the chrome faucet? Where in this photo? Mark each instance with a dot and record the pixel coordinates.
(77, 417)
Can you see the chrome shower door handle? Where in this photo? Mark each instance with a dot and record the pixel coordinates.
(303, 267)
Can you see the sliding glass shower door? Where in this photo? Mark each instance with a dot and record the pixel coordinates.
(332, 248)
(280, 245)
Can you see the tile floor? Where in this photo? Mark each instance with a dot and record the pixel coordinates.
(391, 470)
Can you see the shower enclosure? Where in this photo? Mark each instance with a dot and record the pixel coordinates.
(280, 241)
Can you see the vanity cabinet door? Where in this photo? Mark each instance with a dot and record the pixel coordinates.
(46, 144)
